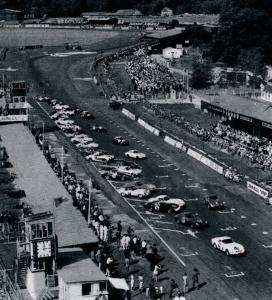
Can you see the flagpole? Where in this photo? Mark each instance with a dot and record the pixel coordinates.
(89, 206)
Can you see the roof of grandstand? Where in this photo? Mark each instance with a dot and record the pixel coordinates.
(256, 109)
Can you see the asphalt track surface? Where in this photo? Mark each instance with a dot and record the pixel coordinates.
(245, 219)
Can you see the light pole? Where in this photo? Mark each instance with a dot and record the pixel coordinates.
(90, 199)
(43, 136)
(62, 163)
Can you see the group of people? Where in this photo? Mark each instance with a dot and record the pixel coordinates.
(258, 151)
(151, 78)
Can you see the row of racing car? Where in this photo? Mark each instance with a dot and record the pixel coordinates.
(123, 170)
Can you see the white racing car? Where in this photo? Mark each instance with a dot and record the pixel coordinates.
(135, 154)
(129, 171)
(227, 245)
(133, 191)
(100, 156)
(87, 145)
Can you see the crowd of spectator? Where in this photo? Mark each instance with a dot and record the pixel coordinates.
(258, 151)
(151, 78)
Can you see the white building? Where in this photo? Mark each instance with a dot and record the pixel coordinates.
(167, 12)
(172, 53)
(79, 277)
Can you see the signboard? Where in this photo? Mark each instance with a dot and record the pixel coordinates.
(18, 105)
(170, 141)
(13, 118)
(245, 118)
(128, 114)
(267, 125)
(257, 189)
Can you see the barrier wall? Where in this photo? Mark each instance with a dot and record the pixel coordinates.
(148, 127)
(129, 114)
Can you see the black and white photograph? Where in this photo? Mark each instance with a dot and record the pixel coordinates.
(135, 149)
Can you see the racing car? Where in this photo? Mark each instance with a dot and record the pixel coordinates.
(115, 176)
(135, 154)
(164, 203)
(190, 219)
(100, 156)
(119, 140)
(213, 202)
(98, 128)
(87, 115)
(133, 191)
(129, 171)
(227, 245)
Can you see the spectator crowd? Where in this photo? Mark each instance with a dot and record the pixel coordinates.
(257, 151)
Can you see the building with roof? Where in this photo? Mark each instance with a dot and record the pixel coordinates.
(128, 13)
(10, 15)
(79, 277)
(167, 12)
(252, 116)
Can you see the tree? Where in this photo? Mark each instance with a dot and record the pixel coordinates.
(202, 75)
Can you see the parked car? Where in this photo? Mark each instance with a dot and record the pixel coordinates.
(60, 106)
(43, 99)
(98, 128)
(129, 171)
(190, 219)
(119, 140)
(90, 145)
(135, 154)
(87, 115)
(122, 162)
(116, 176)
(132, 191)
(165, 204)
(213, 202)
(100, 156)
(227, 245)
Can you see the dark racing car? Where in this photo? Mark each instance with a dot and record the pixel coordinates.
(213, 202)
(190, 219)
(119, 140)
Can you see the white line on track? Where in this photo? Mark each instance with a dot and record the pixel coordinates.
(173, 230)
(243, 217)
(191, 254)
(161, 188)
(191, 199)
(253, 224)
(228, 228)
(163, 166)
(162, 176)
(164, 222)
(265, 232)
(235, 275)
(267, 246)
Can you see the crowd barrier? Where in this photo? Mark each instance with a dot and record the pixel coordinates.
(148, 127)
(129, 114)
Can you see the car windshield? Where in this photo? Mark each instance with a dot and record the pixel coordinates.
(213, 197)
(227, 241)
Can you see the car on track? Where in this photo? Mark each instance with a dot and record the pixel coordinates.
(165, 204)
(129, 171)
(149, 186)
(213, 202)
(88, 145)
(115, 176)
(119, 140)
(87, 115)
(64, 122)
(43, 99)
(133, 191)
(81, 138)
(100, 156)
(98, 128)
(70, 135)
(123, 162)
(135, 154)
(227, 245)
(68, 112)
(59, 106)
(114, 104)
(190, 219)
(71, 128)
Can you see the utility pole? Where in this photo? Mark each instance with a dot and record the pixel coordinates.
(62, 163)
(90, 199)
(43, 137)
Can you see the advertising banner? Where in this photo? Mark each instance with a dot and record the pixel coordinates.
(211, 164)
(194, 154)
(128, 114)
(13, 118)
(257, 189)
(170, 141)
